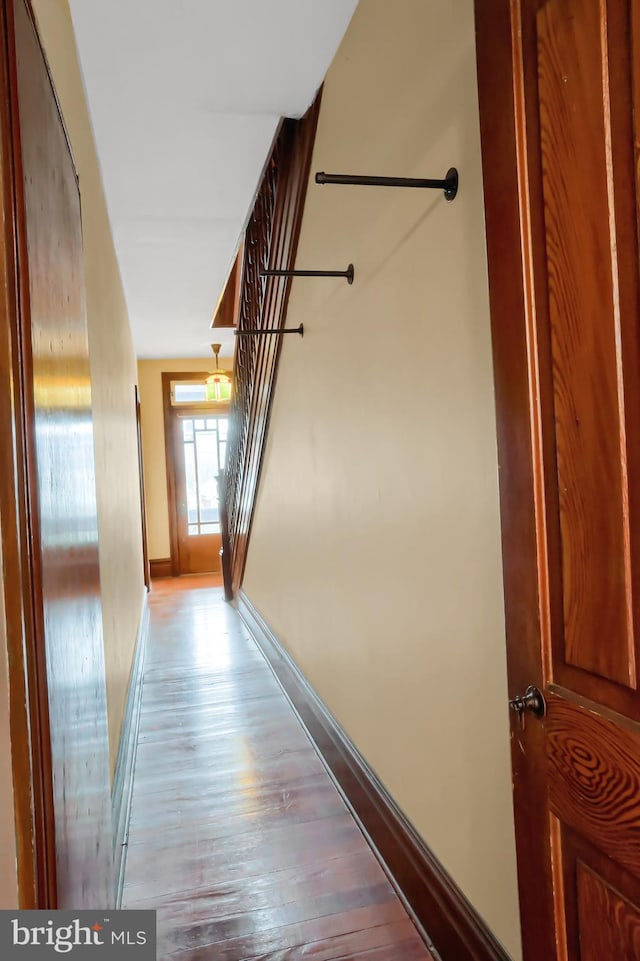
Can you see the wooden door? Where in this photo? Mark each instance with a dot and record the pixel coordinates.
(52, 367)
(559, 95)
(196, 443)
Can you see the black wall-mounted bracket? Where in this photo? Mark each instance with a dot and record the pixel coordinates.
(449, 185)
(249, 332)
(348, 273)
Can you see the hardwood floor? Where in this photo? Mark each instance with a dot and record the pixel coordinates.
(238, 836)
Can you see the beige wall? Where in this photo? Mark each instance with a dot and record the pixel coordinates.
(8, 875)
(153, 447)
(375, 551)
(113, 377)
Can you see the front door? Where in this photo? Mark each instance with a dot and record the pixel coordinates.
(560, 93)
(196, 442)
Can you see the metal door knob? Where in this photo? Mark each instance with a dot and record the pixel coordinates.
(531, 701)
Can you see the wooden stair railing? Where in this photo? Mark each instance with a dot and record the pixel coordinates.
(270, 242)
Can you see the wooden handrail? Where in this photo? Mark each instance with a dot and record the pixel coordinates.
(270, 243)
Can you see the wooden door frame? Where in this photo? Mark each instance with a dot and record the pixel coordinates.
(168, 414)
(23, 615)
(519, 438)
(143, 503)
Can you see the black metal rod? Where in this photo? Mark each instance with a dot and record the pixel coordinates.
(348, 273)
(449, 185)
(261, 333)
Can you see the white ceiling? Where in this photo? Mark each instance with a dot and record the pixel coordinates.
(185, 97)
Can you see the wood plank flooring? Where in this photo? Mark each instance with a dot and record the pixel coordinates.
(238, 836)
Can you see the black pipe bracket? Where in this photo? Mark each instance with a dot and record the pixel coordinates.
(252, 332)
(449, 185)
(348, 273)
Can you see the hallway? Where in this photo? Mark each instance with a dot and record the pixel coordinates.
(238, 836)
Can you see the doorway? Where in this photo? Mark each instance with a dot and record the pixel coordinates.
(195, 445)
(559, 89)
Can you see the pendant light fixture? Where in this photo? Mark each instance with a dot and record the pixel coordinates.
(219, 381)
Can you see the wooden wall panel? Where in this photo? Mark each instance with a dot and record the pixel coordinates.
(62, 478)
(581, 125)
(226, 314)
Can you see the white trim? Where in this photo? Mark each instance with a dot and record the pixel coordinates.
(125, 766)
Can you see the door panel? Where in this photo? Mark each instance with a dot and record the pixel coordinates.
(62, 495)
(594, 777)
(591, 254)
(563, 262)
(608, 924)
(590, 244)
(601, 901)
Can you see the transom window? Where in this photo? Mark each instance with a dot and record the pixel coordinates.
(188, 392)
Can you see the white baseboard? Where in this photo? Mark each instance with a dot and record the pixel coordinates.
(125, 765)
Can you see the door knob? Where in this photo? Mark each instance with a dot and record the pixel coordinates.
(531, 701)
